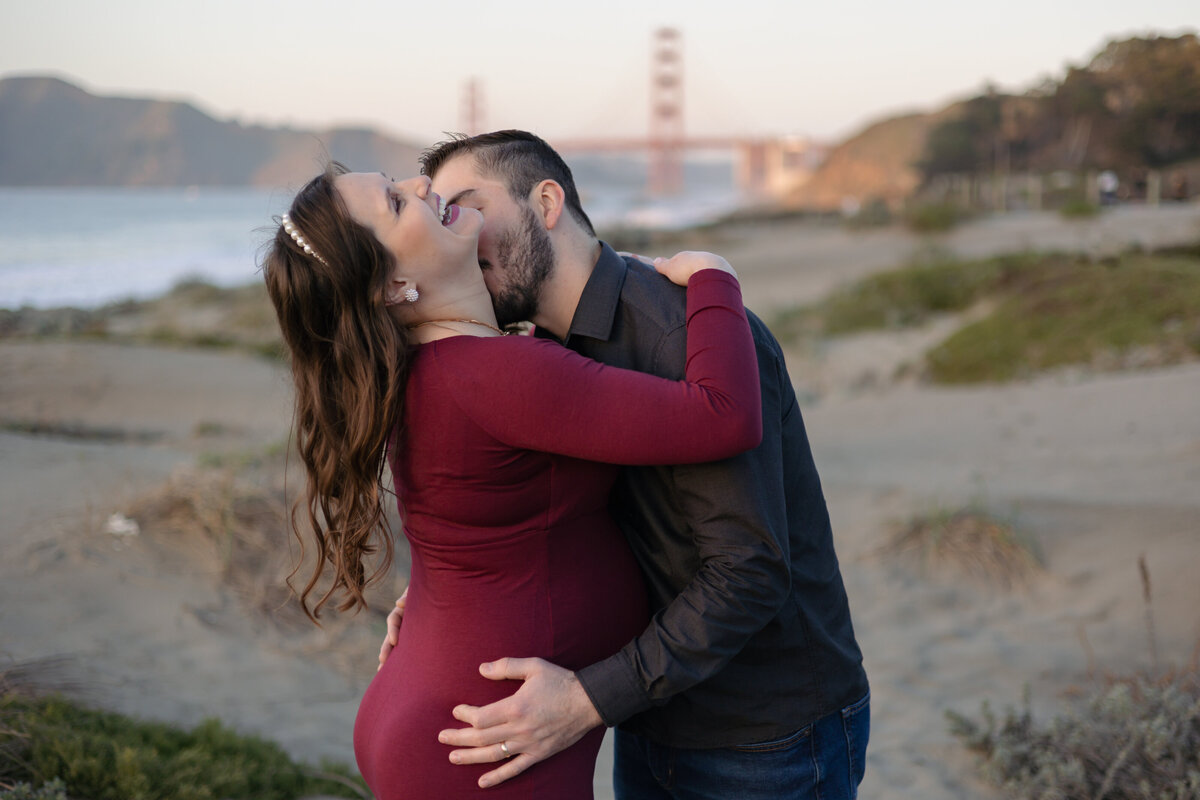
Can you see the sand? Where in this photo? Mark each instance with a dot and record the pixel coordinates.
(1098, 469)
(152, 632)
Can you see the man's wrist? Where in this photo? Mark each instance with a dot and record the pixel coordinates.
(582, 706)
(612, 687)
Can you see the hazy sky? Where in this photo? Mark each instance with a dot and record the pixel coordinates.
(565, 69)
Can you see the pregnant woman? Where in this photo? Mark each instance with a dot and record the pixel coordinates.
(502, 452)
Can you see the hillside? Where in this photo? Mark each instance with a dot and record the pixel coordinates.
(878, 162)
(1134, 107)
(53, 133)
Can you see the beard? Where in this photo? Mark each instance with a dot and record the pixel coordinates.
(525, 260)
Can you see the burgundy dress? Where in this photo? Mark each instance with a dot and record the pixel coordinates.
(499, 475)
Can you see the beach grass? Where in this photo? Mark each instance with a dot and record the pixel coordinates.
(907, 297)
(874, 213)
(934, 217)
(969, 541)
(230, 520)
(1133, 311)
(77, 431)
(102, 755)
(1078, 208)
(1124, 736)
(910, 296)
(1130, 737)
(233, 511)
(1038, 312)
(192, 314)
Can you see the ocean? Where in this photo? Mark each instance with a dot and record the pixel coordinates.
(85, 247)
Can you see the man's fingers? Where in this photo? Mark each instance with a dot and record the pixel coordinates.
(476, 738)
(546, 714)
(465, 714)
(487, 754)
(489, 716)
(510, 669)
(509, 769)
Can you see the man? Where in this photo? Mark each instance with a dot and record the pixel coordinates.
(748, 681)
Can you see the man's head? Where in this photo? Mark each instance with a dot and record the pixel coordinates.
(511, 177)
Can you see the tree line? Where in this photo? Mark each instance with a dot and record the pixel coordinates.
(1134, 109)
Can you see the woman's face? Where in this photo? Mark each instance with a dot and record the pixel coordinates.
(426, 237)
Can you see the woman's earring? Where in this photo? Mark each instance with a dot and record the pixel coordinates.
(411, 295)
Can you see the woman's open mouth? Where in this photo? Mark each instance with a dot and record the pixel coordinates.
(447, 213)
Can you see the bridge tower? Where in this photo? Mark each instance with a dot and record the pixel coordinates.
(666, 113)
(471, 109)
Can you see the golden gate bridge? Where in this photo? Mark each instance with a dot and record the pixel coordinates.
(768, 167)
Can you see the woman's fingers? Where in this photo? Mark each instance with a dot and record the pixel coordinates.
(683, 265)
(394, 619)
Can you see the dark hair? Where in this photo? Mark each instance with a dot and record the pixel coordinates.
(349, 361)
(519, 159)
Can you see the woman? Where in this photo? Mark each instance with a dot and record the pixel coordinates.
(500, 449)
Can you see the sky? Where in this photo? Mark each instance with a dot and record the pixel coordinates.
(566, 70)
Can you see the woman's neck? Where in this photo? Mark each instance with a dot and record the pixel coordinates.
(434, 329)
(469, 315)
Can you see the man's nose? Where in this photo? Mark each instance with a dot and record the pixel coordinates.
(419, 185)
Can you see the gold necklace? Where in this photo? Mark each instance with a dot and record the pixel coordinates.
(467, 321)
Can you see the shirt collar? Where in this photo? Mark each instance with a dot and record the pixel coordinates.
(597, 308)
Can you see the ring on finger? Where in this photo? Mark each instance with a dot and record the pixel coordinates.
(504, 749)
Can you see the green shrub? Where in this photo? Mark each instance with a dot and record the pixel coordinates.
(909, 296)
(934, 217)
(52, 790)
(102, 755)
(792, 326)
(1047, 311)
(1135, 736)
(1078, 208)
(196, 290)
(1077, 312)
(875, 213)
(1131, 738)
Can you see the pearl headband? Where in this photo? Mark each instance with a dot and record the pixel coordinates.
(294, 232)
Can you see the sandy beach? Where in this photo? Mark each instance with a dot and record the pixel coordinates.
(1097, 469)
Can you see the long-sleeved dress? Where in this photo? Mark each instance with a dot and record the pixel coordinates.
(502, 469)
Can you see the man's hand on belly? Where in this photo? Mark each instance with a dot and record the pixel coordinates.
(549, 713)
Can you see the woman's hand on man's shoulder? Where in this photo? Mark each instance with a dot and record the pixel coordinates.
(683, 265)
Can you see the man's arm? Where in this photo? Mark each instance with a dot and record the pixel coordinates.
(739, 526)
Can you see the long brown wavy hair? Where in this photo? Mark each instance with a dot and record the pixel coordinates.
(349, 360)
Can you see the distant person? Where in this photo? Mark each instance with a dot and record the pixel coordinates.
(1108, 183)
(1179, 187)
(501, 450)
(748, 682)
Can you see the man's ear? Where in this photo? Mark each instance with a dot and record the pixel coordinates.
(549, 202)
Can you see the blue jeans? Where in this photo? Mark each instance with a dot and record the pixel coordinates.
(824, 761)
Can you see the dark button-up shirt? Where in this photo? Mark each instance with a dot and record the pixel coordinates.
(751, 636)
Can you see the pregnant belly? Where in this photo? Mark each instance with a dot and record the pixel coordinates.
(573, 604)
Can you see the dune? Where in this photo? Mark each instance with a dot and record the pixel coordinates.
(1098, 470)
